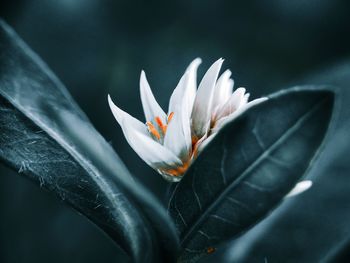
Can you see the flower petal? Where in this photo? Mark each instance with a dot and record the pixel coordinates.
(299, 188)
(224, 120)
(235, 101)
(179, 130)
(135, 132)
(186, 88)
(152, 152)
(191, 89)
(223, 89)
(121, 115)
(253, 103)
(178, 136)
(150, 106)
(178, 95)
(202, 104)
(246, 98)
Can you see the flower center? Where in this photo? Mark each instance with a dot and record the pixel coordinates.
(158, 131)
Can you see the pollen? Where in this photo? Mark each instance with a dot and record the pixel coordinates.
(153, 130)
(161, 125)
(158, 129)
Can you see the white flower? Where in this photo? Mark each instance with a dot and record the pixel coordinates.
(169, 142)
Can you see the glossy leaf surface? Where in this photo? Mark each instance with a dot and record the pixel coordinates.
(248, 168)
(46, 137)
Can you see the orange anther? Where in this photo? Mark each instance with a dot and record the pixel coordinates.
(170, 116)
(161, 125)
(178, 171)
(153, 130)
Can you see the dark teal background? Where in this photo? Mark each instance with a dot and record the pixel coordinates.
(98, 47)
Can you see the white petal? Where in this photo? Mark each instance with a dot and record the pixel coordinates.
(300, 188)
(246, 97)
(192, 83)
(224, 120)
(233, 104)
(202, 104)
(253, 103)
(152, 152)
(121, 115)
(180, 107)
(135, 132)
(186, 88)
(177, 97)
(150, 106)
(228, 89)
(223, 89)
(178, 138)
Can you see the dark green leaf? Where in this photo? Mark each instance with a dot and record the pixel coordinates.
(338, 253)
(251, 164)
(46, 137)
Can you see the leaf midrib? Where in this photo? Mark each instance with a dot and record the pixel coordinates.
(290, 131)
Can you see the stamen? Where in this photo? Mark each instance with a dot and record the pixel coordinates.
(178, 171)
(194, 141)
(153, 130)
(170, 117)
(161, 125)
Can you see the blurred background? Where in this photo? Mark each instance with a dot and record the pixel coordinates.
(98, 47)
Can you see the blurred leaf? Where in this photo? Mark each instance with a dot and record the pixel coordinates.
(340, 253)
(46, 137)
(248, 168)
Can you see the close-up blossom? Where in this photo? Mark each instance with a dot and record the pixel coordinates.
(170, 142)
(236, 160)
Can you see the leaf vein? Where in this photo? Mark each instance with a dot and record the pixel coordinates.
(194, 191)
(279, 141)
(225, 220)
